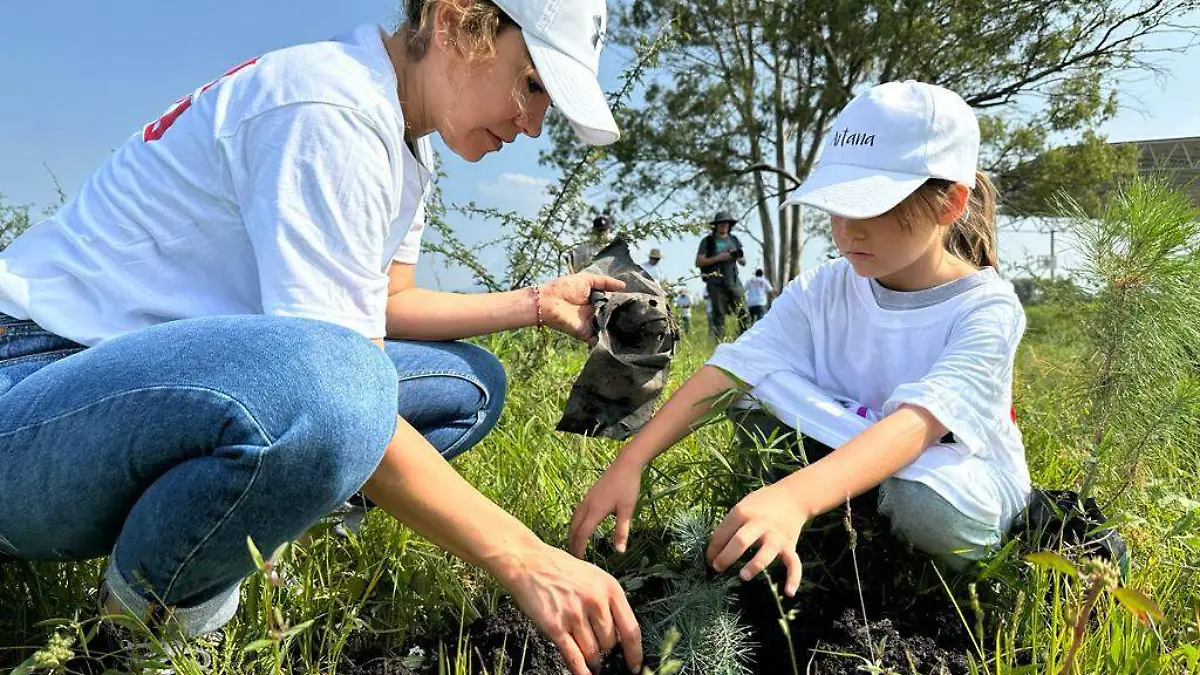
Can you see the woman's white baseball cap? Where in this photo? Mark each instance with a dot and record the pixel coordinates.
(885, 144)
(564, 38)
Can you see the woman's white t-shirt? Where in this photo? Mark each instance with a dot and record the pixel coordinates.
(284, 187)
(827, 333)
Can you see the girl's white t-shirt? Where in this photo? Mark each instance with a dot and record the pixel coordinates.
(284, 187)
(954, 358)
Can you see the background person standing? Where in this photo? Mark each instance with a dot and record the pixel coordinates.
(718, 258)
(683, 303)
(652, 268)
(597, 239)
(758, 293)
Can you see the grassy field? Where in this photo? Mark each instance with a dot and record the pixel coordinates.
(376, 592)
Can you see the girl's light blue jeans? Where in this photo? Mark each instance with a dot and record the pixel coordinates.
(917, 513)
(167, 447)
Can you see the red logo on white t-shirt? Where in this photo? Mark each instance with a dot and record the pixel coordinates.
(155, 130)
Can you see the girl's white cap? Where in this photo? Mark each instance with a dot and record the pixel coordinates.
(564, 38)
(885, 144)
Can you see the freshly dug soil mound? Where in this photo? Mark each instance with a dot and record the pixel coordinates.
(509, 642)
(881, 642)
(498, 644)
(912, 626)
(907, 609)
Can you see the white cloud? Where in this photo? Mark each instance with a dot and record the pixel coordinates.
(523, 179)
(518, 192)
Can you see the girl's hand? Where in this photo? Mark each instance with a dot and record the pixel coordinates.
(615, 493)
(566, 302)
(770, 519)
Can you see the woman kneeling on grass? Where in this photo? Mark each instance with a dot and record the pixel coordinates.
(899, 355)
(186, 356)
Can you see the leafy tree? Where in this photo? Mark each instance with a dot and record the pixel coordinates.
(14, 219)
(739, 109)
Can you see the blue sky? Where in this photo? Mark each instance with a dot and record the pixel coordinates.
(78, 78)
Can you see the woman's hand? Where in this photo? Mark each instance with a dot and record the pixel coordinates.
(578, 606)
(615, 493)
(566, 302)
(769, 519)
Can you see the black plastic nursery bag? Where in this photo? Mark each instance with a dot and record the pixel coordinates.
(615, 392)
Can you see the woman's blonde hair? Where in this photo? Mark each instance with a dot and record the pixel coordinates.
(973, 236)
(479, 22)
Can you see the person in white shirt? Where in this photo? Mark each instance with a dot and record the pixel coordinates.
(186, 356)
(758, 293)
(683, 303)
(898, 356)
(652, 268)
(708, 311)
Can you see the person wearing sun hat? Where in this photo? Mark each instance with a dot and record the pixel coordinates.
(718, 257)
(898, 357)
(652, 268)
(244, 266)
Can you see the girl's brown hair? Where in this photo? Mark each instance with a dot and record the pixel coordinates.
(973, 236)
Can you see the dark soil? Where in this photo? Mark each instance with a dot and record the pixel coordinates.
(912, 624)
(382, 666)
(509, 642)
(885, 646)
(913, 627)
(501, 643)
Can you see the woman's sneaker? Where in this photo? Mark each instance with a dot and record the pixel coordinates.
(123, 646)
(123, 649)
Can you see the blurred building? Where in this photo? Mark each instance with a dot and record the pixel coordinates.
(1177, 159)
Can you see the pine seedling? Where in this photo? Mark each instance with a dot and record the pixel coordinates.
(712, 639)
(689, 532)
(1142, 257)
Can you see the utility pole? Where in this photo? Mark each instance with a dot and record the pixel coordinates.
(1053, 260)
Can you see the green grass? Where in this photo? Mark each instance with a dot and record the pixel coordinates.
(381, 589)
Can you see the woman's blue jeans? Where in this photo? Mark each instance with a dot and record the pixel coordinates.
(167, 447)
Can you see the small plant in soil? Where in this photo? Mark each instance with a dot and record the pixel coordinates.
(712, 638)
